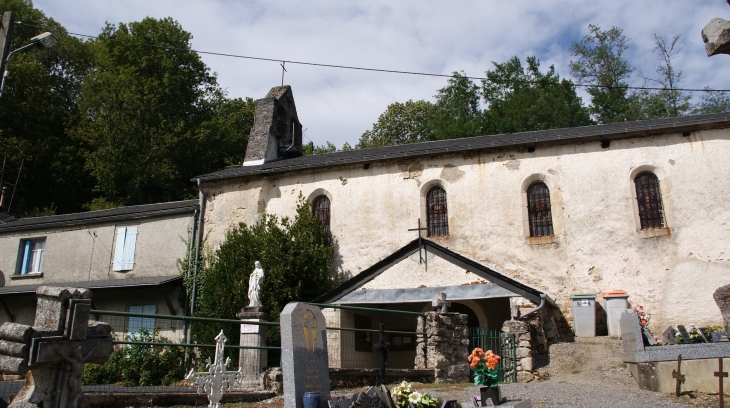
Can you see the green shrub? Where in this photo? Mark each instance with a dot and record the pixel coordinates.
(137, 364)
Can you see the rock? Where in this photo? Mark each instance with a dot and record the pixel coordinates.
(524, 376)
(722, 298)
(527, 363)
(716, 36)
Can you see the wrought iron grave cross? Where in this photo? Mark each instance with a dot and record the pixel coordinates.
(721, 374)
(421, 258)
(678, 375)
(440, 303)
(382, 348)
(282, 72)
(217, 379)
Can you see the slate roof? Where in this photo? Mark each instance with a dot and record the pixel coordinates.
(523, 289)
(566, 135)
(96, 284)
(90, 217)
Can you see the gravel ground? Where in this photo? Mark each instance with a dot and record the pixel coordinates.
(587, 373)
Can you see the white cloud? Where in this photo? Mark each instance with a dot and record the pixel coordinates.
(411, 35)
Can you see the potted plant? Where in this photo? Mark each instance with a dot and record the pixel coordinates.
(405, 397)
(486, 373)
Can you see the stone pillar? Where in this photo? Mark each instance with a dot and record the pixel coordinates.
(445, 347)
(252, 362)
(525, 352)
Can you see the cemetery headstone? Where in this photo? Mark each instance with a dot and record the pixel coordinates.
(718, 337)
(722, 299)
(685, 335)
(669, 335)
(304, 362)
(704, 334)
(648, 337)
(217, 379)
(54, 349)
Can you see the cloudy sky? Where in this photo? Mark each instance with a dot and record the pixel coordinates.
(410, 35)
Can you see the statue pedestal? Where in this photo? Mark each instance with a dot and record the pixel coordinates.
(252, 362)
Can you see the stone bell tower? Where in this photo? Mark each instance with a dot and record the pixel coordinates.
(276, 132)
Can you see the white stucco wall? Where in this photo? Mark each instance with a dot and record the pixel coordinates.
(86, 252)
(597, 246)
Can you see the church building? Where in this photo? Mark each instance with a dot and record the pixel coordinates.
(524, 219)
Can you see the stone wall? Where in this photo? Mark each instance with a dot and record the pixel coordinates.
(445, 347)
(525, 336)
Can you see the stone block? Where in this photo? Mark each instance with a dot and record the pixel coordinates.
(438, 339)
(524, 343)
(15, 332)
(458, 372)
(525, 376)
(722, 299)
(523, 352)
(13, 349)
(465, 342)
(13, 365)
(716, 36)
(527, 363)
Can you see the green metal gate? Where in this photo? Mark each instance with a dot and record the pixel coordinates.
(502, 344)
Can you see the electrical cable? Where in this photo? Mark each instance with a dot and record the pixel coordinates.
(389, 71)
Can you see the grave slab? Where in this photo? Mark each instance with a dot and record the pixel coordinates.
(305, 367)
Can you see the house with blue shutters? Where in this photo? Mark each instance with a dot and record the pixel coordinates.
(127, 256)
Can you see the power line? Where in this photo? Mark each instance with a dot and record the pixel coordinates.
(388, 71)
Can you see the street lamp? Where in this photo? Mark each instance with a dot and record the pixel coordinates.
(43, 40)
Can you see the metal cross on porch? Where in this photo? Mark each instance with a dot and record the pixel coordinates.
(421, 258)
(282, 72)
(382, 348)
(678, 375)
(217, 379)
(721, 374)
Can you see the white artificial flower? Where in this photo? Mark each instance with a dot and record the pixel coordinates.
(415, 398)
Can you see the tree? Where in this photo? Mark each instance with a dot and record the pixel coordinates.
(713, 102)
(457, 112)
(38, 109)
(669, 101)
(154, 116)
(293, 255)
(401, 123)
(601, 64)
(523, 99)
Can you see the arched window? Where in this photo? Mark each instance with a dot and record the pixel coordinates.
(321, 210)
(436, 212)
(538, 210)
(649, 199)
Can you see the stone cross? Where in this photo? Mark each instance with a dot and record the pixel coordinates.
(54, 349)
(217, 379)
(678, 375)
(382, 348)
(440, 303)
(721, 374)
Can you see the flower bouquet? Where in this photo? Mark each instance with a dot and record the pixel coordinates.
(644, 317)
(487, 373)
(404, 396)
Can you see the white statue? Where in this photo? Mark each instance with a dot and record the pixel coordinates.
(254, 284)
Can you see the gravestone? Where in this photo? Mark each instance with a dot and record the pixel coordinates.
(648, 337)
(718, 337)
(217, 379)
(685, 335)
(703, 333)
(722, 299)
(54, 349)
(305, 367)
(669, 335)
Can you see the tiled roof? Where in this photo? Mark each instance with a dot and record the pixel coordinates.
(120, 213)
(566, 135)
(98, 284)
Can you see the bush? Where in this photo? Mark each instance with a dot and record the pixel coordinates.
(137, 364)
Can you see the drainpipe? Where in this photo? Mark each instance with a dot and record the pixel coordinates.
(201, 206)
(194, 224)
(537, 309)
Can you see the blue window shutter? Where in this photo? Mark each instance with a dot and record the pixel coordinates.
(119, 249)
(149, 324)
(26, 254)
(134, 322)
(130, 242)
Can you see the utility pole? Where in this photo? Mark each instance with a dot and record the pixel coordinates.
(6, 38)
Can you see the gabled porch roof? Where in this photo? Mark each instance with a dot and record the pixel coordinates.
(502, 285)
